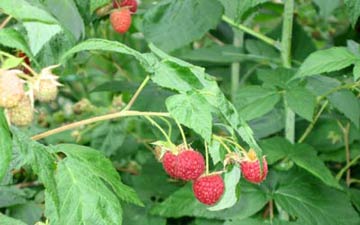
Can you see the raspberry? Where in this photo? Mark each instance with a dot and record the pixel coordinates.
(46, 87)
(26, 60)
(121, 20)
(186, 165)
(250, 168)
(190, 165)
(209, 189)
(169, 162)
(132, 4)
(23, 113)
(11, 88)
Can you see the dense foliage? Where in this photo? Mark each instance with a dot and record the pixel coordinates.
(104, 101)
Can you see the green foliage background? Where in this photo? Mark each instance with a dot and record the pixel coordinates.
(213, 75)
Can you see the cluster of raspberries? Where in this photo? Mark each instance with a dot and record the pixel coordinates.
(189, 165)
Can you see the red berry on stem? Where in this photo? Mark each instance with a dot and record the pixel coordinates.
(209, 189)
(121, 20)
(190, 165)
(250, 168)
(169, 163)
(132, 4)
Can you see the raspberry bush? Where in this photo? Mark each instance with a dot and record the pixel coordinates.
(190, 112)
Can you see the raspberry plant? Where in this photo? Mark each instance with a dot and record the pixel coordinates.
(190, 112)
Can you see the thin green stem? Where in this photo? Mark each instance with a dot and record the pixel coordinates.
(237, 145)
(153, 122)
(312, 124)
(168, 124)
(182, 133)
(222, 143)
(137, 93)
(5, 22)
(345, 168)
(207, 157)
(286, 58)
(250, 31)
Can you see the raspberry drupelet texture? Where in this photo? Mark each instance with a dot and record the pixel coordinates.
(209, 189)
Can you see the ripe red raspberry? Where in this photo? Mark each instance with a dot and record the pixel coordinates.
(190, 165)
(23, 113)
(11, 88)
(186, 165)
(169, 163)
(209, 189)
(250, 168)
(132, 4)
(121, 20)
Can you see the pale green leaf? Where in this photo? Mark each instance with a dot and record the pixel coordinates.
(10, 196)
(353, 9)
(229, 198)
(10, 63)
(193, 111)
(356, 71)
(214, 151)
(184, 21)
(94, 162)
(255, 101)
(216, 54)
(5, 146)
(94, 4)
(25, 11)
(84, 197)
(327, 7)
(5, 220)
(12, 38)
(302, 101)
(324, 61)
(68, 16)
(39, 34)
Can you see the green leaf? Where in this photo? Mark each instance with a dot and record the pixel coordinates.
(237, 9)
(214, 151)
(39, 34)
(29, 212)
(353, 9)
(84, 197)
(279, 77)
(327, 7)
(347, 103)
(306, 157)
(356, 70)
(42, 162)
(217, 54)
(12, 38)
(229, 198)
(68, 16)
(193, 111)
(302, 101)
(324, 61)
(95, 163)
(275, 148)
(184, 22)
(183, 203)
(23, 10)
(147, 60)
(255, 101)
(10, 196)
(311, 202)
(5, 146)
(94, 4)
(11, 63)
(4, 220)
(251, 221)
(108, 137)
